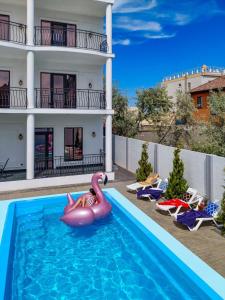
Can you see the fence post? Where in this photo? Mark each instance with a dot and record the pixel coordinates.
(127, 153)
(208, 176)
(156, 158)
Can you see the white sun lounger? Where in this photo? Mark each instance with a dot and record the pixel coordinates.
(174, 210)
(212, 218)
(134, 187)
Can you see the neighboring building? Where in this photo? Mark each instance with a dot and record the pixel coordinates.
(186, 81)
(200, 95)
(52, 100)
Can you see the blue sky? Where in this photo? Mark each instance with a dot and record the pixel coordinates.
(155, 38)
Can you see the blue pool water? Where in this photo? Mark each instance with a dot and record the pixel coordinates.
(112, 259)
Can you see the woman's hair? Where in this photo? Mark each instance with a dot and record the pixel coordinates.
(92, 191)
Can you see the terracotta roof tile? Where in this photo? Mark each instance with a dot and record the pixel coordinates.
(211, 85)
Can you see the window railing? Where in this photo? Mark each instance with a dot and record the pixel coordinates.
(13, 97)
(12, 32)
(57, 166)
(66, 37)
(70, 98)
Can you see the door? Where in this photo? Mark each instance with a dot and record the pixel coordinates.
(70, 91)
(43, 149)
(4, 89)
(59, 34)
(58, 90)
(4, 27)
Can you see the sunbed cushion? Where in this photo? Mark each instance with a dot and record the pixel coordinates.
(211, 208)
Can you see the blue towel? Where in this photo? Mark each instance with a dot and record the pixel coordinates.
(188, 218)
(156, 194)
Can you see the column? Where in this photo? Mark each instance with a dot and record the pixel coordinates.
(109, 26)
(30, 79)
(30, 146)
(108, 144)
(30, 22)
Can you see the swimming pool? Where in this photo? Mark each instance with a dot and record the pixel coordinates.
(115, 258)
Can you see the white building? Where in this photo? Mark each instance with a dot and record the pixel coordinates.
(53, 104)
(186, 81)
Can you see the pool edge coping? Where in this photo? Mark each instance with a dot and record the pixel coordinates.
(207, 274)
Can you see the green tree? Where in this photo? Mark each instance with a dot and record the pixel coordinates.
(179, 135)
(177, 185)
(221, 217)
(214, 131)
(124, 121)
(145, 168)
(152, 103)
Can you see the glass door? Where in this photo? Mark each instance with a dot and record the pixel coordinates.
(58, 91)
(59, 34)
(4, 27)
(43, 148)
(4, 89)
(70, 91)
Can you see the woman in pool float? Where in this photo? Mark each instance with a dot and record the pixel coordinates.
(88, 207)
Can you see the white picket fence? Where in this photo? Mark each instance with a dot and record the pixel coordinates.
(203, 172)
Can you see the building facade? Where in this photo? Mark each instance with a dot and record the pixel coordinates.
(200, 96)
(53, 102)
(186, 81)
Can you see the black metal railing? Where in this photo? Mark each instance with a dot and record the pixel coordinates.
(57, 166)
(68, 37)
(70, 98)
(13, 97)
(12, 32)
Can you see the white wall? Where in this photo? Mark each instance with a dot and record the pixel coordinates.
(10, 145)
(13, 125)
(89, 123)
(202, 171)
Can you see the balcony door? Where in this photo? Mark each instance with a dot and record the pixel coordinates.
(58, 34)
(4, 89)
(43, 148)
(4, 27)
(59, 90)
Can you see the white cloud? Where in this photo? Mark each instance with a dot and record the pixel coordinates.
(182, 19)
(125, 42)
(159, 36)
(131, 6)
(129, 24)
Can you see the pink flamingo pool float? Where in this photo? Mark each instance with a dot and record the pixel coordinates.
(80, 216)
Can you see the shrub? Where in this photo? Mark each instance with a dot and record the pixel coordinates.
(177, 184)
(145, 168)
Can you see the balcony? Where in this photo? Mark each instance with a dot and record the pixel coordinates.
(68, 98)
(57, 166)
(13, 97)
(69, 36)
(12, 32)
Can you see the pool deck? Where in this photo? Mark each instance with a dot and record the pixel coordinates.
(207, 242)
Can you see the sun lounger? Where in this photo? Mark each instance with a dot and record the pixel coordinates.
(153, 193)
(153, 179)
(174, 206)
(194, 218)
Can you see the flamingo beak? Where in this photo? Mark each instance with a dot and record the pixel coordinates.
(105, 180)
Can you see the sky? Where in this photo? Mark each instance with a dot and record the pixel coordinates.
(156, 38)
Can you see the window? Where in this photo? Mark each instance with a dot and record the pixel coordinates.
(189, 86)
(4, 89)
(199, 102)
(73, 144)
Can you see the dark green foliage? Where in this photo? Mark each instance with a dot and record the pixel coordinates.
(145, 168)
(124, 121)
(177, 184)
(221, 217)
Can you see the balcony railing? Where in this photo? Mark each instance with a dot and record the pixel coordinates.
(12, 32)
(76, 38)
(70, 98)
(57, 166)
(13, 97)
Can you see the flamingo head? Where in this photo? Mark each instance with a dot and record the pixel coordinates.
(101, 176)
